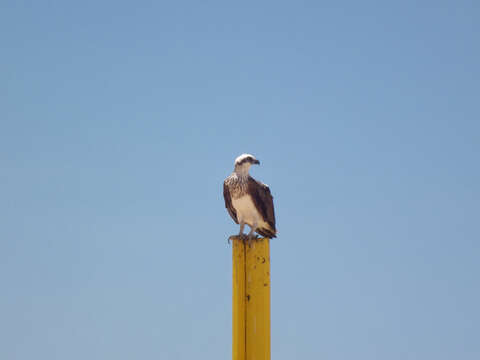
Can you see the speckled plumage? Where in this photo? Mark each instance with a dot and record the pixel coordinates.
(237, 184)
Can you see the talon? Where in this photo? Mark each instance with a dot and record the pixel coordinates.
(237, 237)
(251, 238)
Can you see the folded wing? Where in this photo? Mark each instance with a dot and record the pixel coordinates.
(228, 203)
(263, 201)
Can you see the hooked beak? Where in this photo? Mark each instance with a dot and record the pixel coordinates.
(256, 162)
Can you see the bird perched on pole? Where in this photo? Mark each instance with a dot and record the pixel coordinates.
(249, 201)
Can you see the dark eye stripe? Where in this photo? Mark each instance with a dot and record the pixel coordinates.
(247, 159)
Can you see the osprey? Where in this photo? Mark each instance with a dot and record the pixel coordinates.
(249, 201)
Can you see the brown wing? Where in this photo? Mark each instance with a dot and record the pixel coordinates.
(263, 200)
(228, 203)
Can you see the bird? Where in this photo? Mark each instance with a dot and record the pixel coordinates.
(249, 201)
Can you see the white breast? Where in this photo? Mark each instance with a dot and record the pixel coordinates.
(246, 211)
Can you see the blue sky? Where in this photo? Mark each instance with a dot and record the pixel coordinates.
(119, 122)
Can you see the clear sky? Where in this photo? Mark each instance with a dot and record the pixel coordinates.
(119, 122)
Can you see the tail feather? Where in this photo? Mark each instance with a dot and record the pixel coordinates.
(266, 232)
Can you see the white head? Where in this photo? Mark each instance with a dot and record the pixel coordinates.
(243, 163)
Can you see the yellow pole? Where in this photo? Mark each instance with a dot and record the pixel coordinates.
(251, 299)
(238, 300)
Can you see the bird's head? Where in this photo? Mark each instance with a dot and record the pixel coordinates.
(243, 163)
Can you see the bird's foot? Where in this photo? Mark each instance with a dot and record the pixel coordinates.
(237, 237)
(251, 238)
